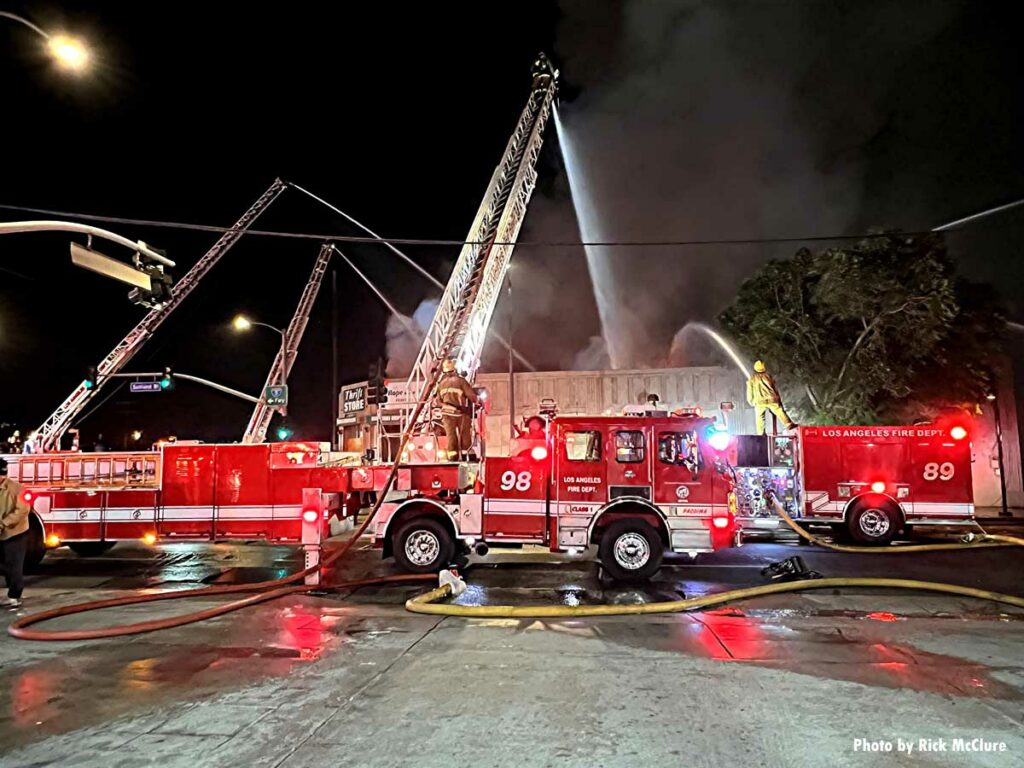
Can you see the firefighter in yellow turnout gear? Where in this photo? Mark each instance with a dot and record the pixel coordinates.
(763, 394)
(456, 398)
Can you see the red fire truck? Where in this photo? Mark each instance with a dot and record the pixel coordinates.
(632, 485)
(867, 483)
(182, 492)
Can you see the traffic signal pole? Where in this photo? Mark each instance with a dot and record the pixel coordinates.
(185, 377)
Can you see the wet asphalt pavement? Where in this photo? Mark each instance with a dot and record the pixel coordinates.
(784, 680)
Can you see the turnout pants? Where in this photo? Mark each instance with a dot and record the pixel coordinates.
(14, 550)
(775, 408)
(458, 434)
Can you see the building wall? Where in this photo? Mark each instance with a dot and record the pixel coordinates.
(986, 450)
(595, 392)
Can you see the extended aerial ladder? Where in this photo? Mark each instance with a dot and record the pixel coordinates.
(256, 432)
(49, 434)
(460, 324)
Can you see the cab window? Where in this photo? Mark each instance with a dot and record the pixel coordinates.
(629, 447)
(583, 446)
(680, 448)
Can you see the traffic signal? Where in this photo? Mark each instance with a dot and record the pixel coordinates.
(376, 386)
(167, 381)
(284, 432)
(160, 283)
(91, 377)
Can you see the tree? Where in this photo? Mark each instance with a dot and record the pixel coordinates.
(882, 331)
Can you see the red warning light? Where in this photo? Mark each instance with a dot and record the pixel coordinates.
(878, 486)
(958, 433)
(538, 453)
(27, 496)
(310, 515)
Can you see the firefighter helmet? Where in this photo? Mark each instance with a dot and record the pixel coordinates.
(759, 366)
(447, 365)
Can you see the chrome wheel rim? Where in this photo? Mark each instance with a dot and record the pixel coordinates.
(422, 548)
(631, 551)
(874, 523)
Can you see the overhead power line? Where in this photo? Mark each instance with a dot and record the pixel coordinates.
(394, 241)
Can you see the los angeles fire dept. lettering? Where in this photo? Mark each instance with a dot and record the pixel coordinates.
(874, 432)
(581, 484)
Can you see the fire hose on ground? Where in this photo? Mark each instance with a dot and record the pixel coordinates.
(430, 602)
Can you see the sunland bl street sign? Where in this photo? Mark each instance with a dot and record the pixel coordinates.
(276, 394)
(145, 386)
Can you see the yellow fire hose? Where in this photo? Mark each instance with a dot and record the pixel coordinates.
(429, 602)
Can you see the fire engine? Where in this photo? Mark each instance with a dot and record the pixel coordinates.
(181, 492)
(866, 483)
(635, 486)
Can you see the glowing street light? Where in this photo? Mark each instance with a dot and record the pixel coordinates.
(69, 52)
(243, 323)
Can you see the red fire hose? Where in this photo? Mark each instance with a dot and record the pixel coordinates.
(266, 590)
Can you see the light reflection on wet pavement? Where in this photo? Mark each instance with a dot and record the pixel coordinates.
(882, 641)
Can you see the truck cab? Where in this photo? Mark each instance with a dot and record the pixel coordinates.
(630, 486)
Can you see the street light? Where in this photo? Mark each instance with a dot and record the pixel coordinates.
(69, 52)
(243, 323)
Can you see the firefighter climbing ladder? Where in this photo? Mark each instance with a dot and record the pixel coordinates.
(256, 432)
(50, 432)
(460, 324)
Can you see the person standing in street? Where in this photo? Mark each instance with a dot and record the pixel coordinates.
(13, 536)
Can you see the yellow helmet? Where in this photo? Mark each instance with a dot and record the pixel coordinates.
(447, 365)
(759, 366)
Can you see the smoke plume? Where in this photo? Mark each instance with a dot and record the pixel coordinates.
(405, 336)
(701, 120)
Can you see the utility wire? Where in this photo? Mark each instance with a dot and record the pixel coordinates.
(408, 260)
(392, 241)
(89, 413)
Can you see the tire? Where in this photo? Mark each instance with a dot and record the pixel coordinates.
(631, 550)
(36, 546)
(90, 548)
(423, 545)
(872, 523)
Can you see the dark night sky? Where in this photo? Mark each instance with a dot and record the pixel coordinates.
(398, 114)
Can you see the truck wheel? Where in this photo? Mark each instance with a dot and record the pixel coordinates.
(90, 548)
(631, 550)
(423, 545)
(872, 523)
(36, 546)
